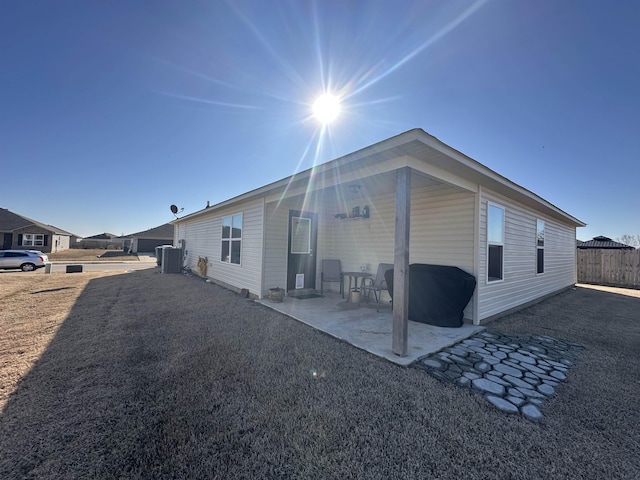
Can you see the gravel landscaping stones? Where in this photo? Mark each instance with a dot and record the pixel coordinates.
(515, 374)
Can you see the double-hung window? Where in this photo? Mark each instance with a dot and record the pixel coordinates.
(495, 243)
(231, 239)
(540, 246)
(33, 240)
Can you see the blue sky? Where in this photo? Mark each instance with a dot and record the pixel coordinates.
(112, 111)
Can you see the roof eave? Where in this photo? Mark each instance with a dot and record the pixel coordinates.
(473, 169)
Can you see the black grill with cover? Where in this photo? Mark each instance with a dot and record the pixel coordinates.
(438, 294)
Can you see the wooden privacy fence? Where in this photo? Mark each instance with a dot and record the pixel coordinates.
(619, 268)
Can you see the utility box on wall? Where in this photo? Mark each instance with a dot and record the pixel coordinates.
(171, 260)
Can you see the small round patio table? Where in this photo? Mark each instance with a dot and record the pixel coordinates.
(355, 276)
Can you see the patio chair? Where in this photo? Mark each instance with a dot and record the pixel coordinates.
(331, 272)
(377, 284)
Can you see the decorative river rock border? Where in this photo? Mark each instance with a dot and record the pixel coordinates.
(515, 374)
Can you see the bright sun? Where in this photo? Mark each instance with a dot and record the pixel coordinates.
(326, 108)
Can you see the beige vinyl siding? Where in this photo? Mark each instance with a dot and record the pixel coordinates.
(441, 230)
(363, 241)
(325, 244)
(442, 225)
(59, 242)
(521, 283)
(199, 240)
(203, 239)
(277, 240)
(177, 233)
(275, 246)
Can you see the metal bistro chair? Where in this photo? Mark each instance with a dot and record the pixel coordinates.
(377, 284)
(331, 272)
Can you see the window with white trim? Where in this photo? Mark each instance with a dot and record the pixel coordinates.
(540, 246)
(231, 239)
(32, 240)
(495, 243)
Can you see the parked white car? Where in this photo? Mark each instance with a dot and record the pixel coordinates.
(25, 260)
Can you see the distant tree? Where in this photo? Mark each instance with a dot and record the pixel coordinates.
(632, 240)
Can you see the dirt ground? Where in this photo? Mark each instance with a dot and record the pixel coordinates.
(144, 375)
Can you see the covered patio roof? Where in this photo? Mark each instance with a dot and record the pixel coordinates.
(363, 327)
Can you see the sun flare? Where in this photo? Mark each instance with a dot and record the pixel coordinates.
(326, 108)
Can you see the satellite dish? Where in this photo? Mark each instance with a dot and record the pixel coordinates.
(175, 210)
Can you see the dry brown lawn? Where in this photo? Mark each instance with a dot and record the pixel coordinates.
(32, 309)
(88, 254)
(144, 375)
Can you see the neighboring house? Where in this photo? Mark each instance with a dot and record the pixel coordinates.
(20, 232)
(603, 242)
(102, 240)
(148, 240)
(407, 199)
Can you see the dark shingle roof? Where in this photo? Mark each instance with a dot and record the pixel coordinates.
(162, 232)
(101, 236)
(603, 242)
(10, 221)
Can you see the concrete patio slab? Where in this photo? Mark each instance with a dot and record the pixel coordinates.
(363, 327)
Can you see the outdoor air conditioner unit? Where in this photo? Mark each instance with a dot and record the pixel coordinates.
(171, 260)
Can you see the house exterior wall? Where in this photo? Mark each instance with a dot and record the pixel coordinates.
(59, 242)
(442, 232)
(275, 245)
(203, 238)
(18, 236)
(362, 241)
(52, 242)
(521, 283)
(277, 241)
(149, 244)
(445, 220)
(442, 227)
